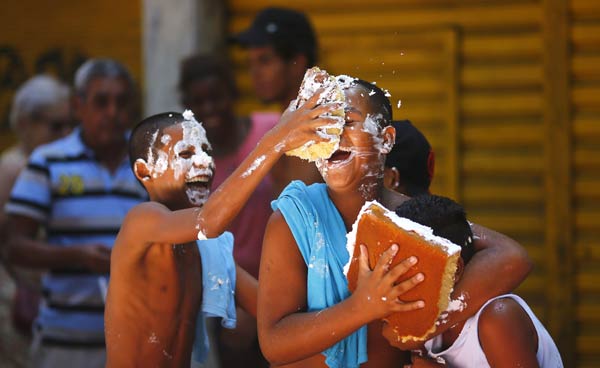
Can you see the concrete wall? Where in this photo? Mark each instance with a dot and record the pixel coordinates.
(171, 31)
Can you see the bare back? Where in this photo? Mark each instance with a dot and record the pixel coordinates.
(153, 300)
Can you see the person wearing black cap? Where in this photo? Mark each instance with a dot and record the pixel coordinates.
(410, 164)
(281, 45)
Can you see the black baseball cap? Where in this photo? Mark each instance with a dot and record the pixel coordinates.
(282, 28)
(412, 156)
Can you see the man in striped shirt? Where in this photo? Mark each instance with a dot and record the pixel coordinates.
(76, 191)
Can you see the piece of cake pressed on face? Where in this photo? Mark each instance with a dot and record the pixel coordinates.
(314, 79)
(378, 228)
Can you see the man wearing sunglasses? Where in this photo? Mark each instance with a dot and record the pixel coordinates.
(77, 191)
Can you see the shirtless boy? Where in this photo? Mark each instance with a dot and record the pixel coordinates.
(155, 288)
(308, 318)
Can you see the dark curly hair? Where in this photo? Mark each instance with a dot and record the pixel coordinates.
(445, 217)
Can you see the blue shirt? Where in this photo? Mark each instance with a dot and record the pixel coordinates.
(218, 289)
(78, 201)
(320, 233)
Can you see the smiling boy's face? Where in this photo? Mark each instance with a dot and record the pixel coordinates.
(181, 169)
(361, 152)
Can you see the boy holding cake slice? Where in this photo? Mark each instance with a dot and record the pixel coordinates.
(306, 315)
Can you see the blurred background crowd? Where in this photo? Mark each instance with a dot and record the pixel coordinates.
(507, 93)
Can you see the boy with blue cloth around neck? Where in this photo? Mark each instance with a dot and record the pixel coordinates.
(308, 318)
(155, 291)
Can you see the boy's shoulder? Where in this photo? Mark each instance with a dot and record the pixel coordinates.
(505, 324)
(142, 214)
(501, 310)
(137, 222)
(503, 321)
(146, 209)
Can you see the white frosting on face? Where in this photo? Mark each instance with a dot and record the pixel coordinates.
(199, 164)
(371, 126)
(161, 164)
(368, 190)
(157, 164)
(345, 81)
(197, 197)
(165, 139)
(194, 139)
(151, 148)
(322, 167)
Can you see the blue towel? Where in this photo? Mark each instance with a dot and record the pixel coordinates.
(218, 289)
(320, 233)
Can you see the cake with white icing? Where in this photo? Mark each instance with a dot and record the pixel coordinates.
(378, 228)
(314, 79)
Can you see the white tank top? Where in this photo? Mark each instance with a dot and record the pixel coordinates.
(467, 352)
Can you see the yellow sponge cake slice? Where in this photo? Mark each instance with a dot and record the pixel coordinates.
(314, 79)
(378, 228)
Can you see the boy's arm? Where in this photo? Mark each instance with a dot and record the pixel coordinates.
(155, 223)
(246, 290)
(495, 254)
(295, 128)
(23, 249)
(507, 335)
(288, 333)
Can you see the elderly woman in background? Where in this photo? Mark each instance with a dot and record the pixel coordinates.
(40, 113)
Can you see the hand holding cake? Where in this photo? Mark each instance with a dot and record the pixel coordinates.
(318, 87)
(381, 231)
(377, 291)
(299, 127)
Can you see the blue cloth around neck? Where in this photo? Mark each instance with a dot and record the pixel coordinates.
(218, 289)
(320, 233)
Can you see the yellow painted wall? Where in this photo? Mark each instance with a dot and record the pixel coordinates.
(56, 36)
(584, 100)
(479, 77)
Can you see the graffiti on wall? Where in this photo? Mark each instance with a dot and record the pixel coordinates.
(15, 69)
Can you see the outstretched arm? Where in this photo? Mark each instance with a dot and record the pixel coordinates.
(505, 327)
(287, 332)
(495, 254)
(155, 223)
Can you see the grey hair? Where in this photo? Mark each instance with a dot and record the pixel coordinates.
(99, 68)
(35, 95)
